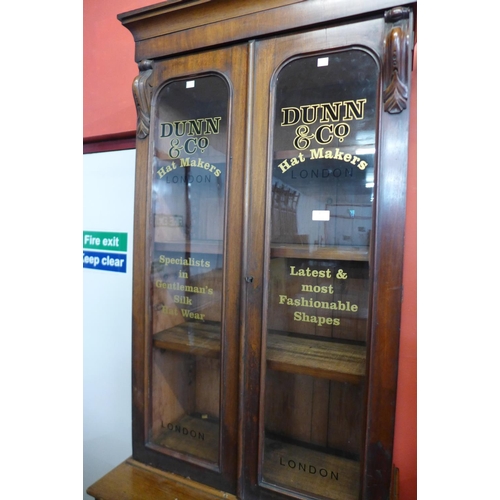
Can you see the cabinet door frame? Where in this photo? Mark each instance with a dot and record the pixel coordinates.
(154, 74)
(267, 56)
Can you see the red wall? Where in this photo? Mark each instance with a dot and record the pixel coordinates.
(109, 111)
(108, 68)
(405, 440)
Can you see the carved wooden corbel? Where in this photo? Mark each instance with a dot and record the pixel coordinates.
(396, 71)
(142, 91)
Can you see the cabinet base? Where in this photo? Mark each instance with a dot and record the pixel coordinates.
(132, 480)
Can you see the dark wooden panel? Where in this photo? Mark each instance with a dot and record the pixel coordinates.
(231, 64)
(203, 340)
(310, 471)
(326, 252)
(236, 21)
(115, 143)
(342, 362)
(320, 384)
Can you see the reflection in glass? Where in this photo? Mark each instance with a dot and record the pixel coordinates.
(189, 192)
(322, 197)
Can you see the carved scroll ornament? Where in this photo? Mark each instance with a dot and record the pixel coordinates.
(396, 61)
(142, 91)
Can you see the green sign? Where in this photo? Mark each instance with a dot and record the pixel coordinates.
(98, 240)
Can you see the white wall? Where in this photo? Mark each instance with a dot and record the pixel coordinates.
(108, 197)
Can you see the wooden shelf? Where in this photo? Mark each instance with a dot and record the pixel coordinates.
(191, 338)
(285, 465)
(306, 356)
(293, 250)
(133, 480)
(301, 251)
(319, 358)
(193, 436)
(310, 471)
(194, 246)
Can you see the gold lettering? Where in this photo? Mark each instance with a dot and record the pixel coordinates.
(354, 109)
(213, 125)
(330, 112)
(316, 289)
(339, 305)
(284, 166)
(192, 127)
(171, 311)
(316, 153)
(326, 273)
(290, 116)
(191, 315)
(318, 320)
(327, 114)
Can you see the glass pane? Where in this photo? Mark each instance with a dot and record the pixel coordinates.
(189, 192)
(319, 275)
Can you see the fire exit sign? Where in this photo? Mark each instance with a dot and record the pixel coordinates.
(98, 240)
(100, 251)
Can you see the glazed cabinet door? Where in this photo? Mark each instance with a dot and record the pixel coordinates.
(324, 254)
(186, 331)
